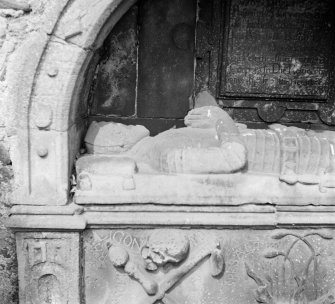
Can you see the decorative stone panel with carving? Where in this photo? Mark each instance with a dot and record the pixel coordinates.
(49, 264)
(301, 273)
(207, 266)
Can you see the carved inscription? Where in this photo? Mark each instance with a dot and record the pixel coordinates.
(278, 49)
(100, 241)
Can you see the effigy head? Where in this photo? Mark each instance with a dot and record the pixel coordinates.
(165, 247)
(111, 138)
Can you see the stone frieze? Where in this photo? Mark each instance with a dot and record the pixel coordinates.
(209, 266)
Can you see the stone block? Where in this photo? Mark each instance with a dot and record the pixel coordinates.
(49, 268)
(209, 266)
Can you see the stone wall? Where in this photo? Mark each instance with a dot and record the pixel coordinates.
(17, 19)
(8, 268)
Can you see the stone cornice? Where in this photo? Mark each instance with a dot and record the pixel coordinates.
(76, 218)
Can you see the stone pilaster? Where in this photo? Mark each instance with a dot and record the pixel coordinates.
(49, 267)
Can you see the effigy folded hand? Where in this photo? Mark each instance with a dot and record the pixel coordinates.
(205, 117)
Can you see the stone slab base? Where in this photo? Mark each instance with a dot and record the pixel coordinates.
(215, 189)
(49, 267)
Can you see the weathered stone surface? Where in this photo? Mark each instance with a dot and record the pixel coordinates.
(45, 58)
(84, 19)
(269, 57)
(54, 68)
(15, 26)
(236, 189)
(59, 223)
(165, 59)
(49, 267)
(116, 76)
(155, 126)
(109, 138)
(13, 4)
(8, 267)
(253, 55)
(70, 209)
(4, 154)
(250, 266)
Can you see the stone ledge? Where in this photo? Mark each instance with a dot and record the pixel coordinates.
(46, 222)
(201, 189)
(256, 217)
(187, 219)
(70, 209)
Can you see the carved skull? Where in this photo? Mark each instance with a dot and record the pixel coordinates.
(165, 246)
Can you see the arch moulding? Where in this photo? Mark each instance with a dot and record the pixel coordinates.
(47, 88)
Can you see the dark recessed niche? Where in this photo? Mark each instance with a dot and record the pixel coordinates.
(265, 61)
(115, 83)
(166, 64)
(147, 67)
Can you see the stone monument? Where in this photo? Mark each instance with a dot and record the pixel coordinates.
(214, 212)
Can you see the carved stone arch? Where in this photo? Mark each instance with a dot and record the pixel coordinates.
(52, 275)
(48, 74)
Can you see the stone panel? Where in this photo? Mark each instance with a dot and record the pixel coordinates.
(48, 267)
(208, 266)
(271, 61)
(275, 49)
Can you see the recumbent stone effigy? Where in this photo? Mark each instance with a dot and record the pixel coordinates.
(211, 145)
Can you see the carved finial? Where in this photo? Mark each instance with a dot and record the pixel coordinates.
(16, 5)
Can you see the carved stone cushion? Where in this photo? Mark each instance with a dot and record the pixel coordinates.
(104, 137)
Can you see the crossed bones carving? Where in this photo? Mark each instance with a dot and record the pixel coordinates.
(157, 291)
